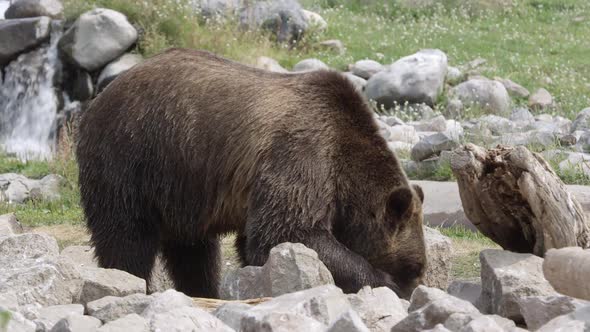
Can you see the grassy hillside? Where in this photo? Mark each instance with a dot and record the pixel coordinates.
(531, 42)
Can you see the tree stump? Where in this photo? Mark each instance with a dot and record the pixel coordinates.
(514, 197)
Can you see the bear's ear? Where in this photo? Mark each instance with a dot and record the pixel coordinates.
(419, 191)
(400, 204)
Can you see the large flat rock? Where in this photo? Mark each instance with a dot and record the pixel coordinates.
(442, 203)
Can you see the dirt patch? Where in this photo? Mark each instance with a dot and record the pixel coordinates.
(66, 235)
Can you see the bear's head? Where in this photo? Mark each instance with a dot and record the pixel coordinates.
(388, 232)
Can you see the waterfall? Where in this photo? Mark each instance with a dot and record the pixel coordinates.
(29, 101)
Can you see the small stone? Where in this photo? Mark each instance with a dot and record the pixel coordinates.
(116, 68)
(582, 121)
(9, 225)
(99, 283)
(403, 133)
(454, 75)
(129, 323)
(538, 310)
(432, 145)
(482, 324)
(379, 308)
(522, 115)
(315, 21)
(359, 83)
(497, 125)
(506, 277)
(111, 308)
(438, 251)
(423, 295)
(366, 68)
(436, 312)
(166, 301)
(540, 100)
(47, 317)
(269, 64)
(324, 304)
(333, 45)
(187, 319)
(515, 90)
(232, 313)
(77, 323)
(437, 124)
(310, 65)
(349, 322)
(465, 290)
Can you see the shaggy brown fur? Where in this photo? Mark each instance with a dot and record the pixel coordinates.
(188, 146)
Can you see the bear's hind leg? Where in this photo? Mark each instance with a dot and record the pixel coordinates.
(194, 268)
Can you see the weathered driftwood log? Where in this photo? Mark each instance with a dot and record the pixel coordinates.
(209, 304)
(513, 197)
(568, 271)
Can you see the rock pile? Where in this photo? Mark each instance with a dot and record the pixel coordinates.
(43, 290)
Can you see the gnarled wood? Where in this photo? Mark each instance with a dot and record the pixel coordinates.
(514, 197)
(209, 304)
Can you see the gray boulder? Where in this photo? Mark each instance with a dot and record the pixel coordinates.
(506, 277)
(27, 246)
(432, 145)
(439, 249)
(45, 280)
(437, 124)
(522, 116)
(110, 308)
(129, 323)
(47, 317)
(497, 125)
(9, 225)
(379, 308)
(539, 310)
(285, 18)
(309, 65)
(187, 319)
(418, 78)
(315, 21)
(454, 75)
(366, 68)
(488, 95)
(76, 323)
(19, 36)
(290, 267)
(116, 68)
(34, 8)
(96, 38)
(582, 121)
(514, 89)
(323, 304)
(577, 321)
(576, 162)
(99, 283)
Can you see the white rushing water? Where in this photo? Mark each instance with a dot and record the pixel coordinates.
(28, 101)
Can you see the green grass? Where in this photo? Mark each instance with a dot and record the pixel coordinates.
(528, 42)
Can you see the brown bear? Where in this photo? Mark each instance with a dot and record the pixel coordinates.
(188, 146)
